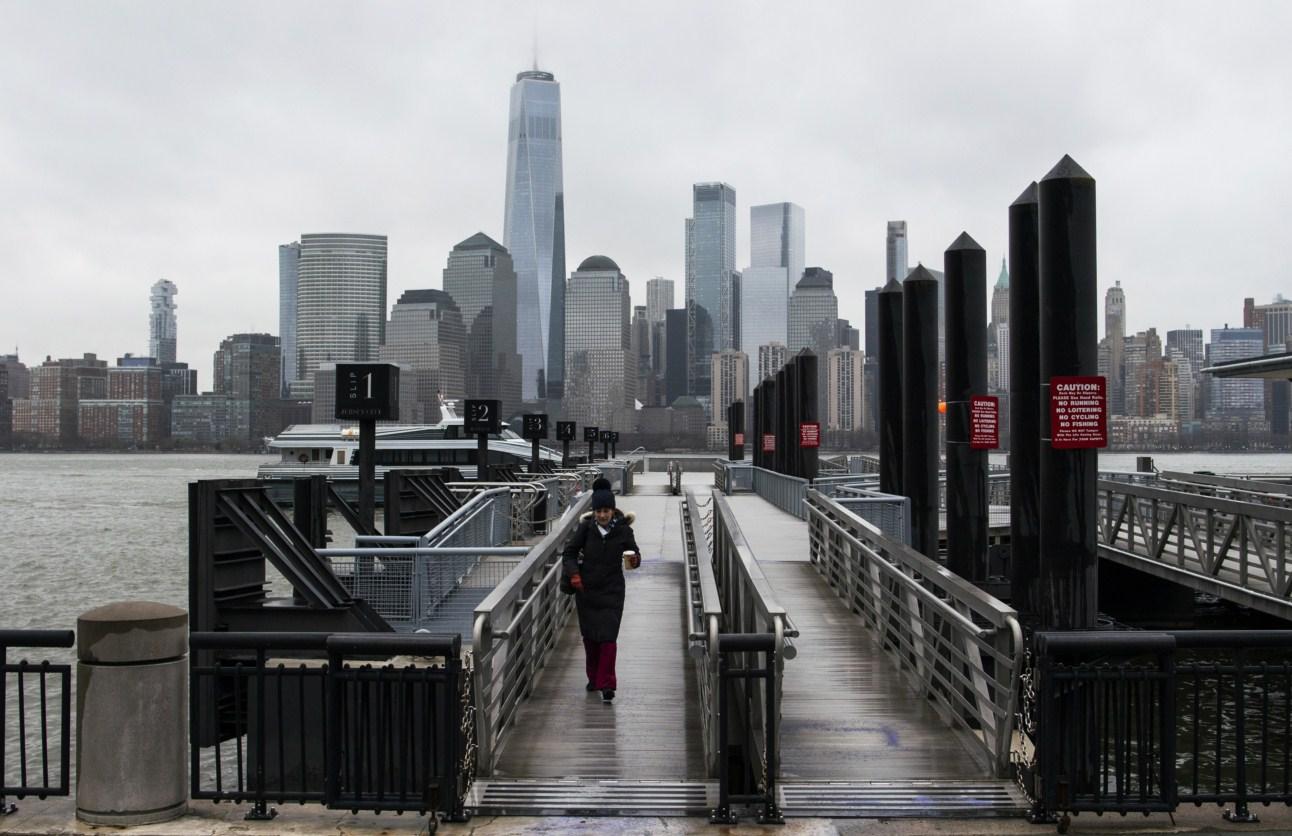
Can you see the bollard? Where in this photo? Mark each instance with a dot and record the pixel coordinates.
(890, 388)
(1024, 404)
(919, 407)
(131, 714)
(966, 350)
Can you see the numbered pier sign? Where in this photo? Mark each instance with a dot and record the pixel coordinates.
(533, 427)
(482, 417)
(590, 434)
(367, 392)
(565, 431)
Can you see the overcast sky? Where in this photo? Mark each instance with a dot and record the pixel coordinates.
(187, 141)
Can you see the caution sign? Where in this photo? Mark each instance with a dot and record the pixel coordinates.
(984, 422)
(809, 434)
(1078, 413)
(740, 439)
(769, 443)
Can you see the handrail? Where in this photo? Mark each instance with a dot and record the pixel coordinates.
(785, 492)
(515, 630)
(38, 774)
(954, 643)
(704, 623)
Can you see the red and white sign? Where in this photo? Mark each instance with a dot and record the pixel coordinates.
(984, 422)
(809, 434)
(1078, 413)
(769, 443)
(740, 439)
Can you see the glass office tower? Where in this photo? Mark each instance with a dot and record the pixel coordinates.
(534, 230)
(712, 283)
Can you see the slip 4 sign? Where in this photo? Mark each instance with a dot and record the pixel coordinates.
(1078, 412)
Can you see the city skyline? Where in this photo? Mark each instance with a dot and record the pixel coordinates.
(169, 175)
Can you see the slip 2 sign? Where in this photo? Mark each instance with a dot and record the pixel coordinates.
(1078, 413)
(809, 434)
(984, 422)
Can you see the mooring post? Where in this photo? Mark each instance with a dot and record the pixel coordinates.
(736, 431)
(782, 409)
(1024, 403)
(808, 414)
(966, 352)
(890, 388)
(1069, 575)
(919, 407)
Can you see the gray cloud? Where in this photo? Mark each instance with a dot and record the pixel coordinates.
(143, 140)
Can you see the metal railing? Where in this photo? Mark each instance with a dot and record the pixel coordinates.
(516, 628)
(37, 770)
(407, 579)
(1146, 721)
(743, 660)
(619, 474)
(1238, 550)
(704, 607)
(730, 477)
(956, 645)
(267, 726)
(749, 606)
(785, 492)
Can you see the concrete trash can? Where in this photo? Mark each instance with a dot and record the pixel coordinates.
(132, 714)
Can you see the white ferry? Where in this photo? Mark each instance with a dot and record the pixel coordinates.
(332, 450)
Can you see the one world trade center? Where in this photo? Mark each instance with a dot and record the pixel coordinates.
(534, 231)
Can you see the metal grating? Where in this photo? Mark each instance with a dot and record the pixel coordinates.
(591, 798)
(920, 799)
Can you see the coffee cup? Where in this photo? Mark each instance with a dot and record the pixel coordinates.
(632, 560)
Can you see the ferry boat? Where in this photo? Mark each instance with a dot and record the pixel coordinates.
(332, 449)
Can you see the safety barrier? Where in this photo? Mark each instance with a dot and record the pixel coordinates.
(704, 624)
(515, 629)
(407, 579)
(785, 492)
(32, 716)
(1145, 721)
(730, 477)
(749, 607)
(956, 645)
(268, 726)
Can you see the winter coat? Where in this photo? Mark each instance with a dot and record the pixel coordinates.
(599, 561)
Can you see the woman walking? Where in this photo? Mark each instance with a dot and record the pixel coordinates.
(593, 567)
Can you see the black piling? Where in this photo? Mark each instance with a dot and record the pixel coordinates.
(890, 388)
(1069, 325)
(780, 454)
(736, 428)
(1024, 403)
(805, 376)
(919, 407)
(966, 352)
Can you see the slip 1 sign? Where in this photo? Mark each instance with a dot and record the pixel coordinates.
(1078, 413)
(809, 434)
(984, 422)
(769, 443)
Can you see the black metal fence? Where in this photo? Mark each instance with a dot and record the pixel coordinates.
(1145, 721)
(327, 726)
(747, 764)
(39, 696)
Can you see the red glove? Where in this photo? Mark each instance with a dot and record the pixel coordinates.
(576, 581)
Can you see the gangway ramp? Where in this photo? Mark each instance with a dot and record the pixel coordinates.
(566, 743)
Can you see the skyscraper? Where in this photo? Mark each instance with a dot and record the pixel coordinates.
(289, 258)
(1115, 333)
(730, 382)
(676, 367)
(771, 359)
(340, 302)
(659, 298)
(1241, 398)
(161, 321)
(425, 334)
(895, 247)
(480, 277)
(534, 230)
(599, 365)
(844, 402)
(246, 369)
(813, 313)
(712, 283)
(776, 239)
(998, 334)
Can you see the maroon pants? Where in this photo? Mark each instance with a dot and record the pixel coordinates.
(600, 661)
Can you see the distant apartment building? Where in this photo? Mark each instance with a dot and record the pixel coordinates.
(1235, 398)
(730, 383)
(289, 264)
(6, 410)
(600, 371)
(771, 359)
(133, 412)
(676, 365)
(246, 367)
(845, 399)
(49, 418)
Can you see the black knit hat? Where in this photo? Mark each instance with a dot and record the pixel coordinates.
(601, 484)
(603, 498)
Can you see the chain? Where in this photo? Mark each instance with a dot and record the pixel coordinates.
(1024, 763)
(468, 730)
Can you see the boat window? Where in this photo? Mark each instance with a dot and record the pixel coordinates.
(340, 456)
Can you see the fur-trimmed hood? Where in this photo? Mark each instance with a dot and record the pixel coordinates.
(625, 516)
